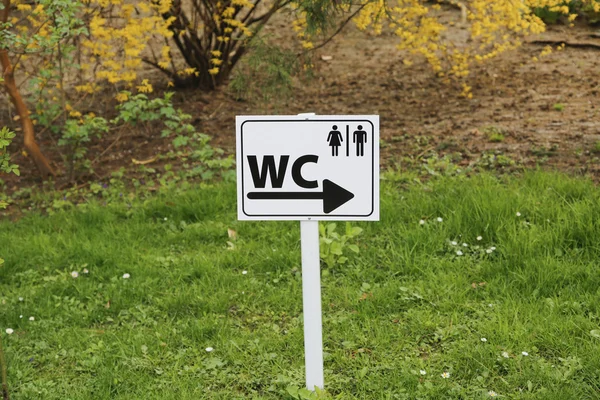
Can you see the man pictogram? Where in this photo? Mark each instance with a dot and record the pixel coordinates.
(335, 140)
(360, 138)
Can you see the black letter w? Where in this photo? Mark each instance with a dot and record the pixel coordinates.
(276, 175)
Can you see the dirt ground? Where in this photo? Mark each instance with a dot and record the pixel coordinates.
(512, 95)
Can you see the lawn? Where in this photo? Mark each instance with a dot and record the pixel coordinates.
(467, 288)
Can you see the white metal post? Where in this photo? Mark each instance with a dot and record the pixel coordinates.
(311, 298)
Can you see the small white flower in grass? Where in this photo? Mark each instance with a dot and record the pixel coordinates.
(166, 218)
(459, 253)
(439, 219)
(209, 349)
(126, 276)
(422, 222)
(423, 372)
(21, 316)
(453, 243)
(85, 271)
(492, 248)
(505, 354)
(525, 353)
(32, 318)
(465, 245)
(489, 251)
(75, 274)
(244, 272)
(490, 305)
(479, 238)
(9, 331)
(483, 339)
(492, 393)
(20, 299)
(445, 375)
(518, 214)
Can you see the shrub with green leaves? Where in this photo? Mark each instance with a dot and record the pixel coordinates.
(265, 72)
(335, 248)
(77, 134)
(6, 137)
(139, 110)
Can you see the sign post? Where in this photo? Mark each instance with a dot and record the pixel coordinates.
(299, 168)
(311, 302)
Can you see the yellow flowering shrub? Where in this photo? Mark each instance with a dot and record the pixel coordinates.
(209, 35)
(493, 26)
(115, 39)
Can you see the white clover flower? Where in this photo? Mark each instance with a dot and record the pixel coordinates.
(492, 248)
(20, 299)
(445, 375)
(9, 331)
(21, 316)
(525, 353)
(85, 271)
(166, 218)
(489, 251)
(422, 222)
(518, 214)
(505, 354)
(453, 243)
(459, 253)
(244, 272)
(75, 274)
(439, 219)
(479, 237)
(32, 318)
(423, 372)
(126, 276)
(483, 339)
(209, 349)
(465, 245)
(492, 393)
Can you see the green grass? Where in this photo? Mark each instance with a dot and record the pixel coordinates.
(407, 302)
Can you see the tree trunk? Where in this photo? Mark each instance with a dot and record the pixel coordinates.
(41, 162)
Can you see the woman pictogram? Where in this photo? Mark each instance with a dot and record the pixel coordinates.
(335, 140)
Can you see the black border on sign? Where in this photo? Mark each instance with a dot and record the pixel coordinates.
(311, 120)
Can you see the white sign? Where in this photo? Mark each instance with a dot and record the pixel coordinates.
(308, 167)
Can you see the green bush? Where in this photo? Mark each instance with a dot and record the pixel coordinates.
(6, 137)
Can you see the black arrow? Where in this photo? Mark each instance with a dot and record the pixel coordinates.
(332, 195)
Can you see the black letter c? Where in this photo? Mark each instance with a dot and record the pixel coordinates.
(297, 175)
